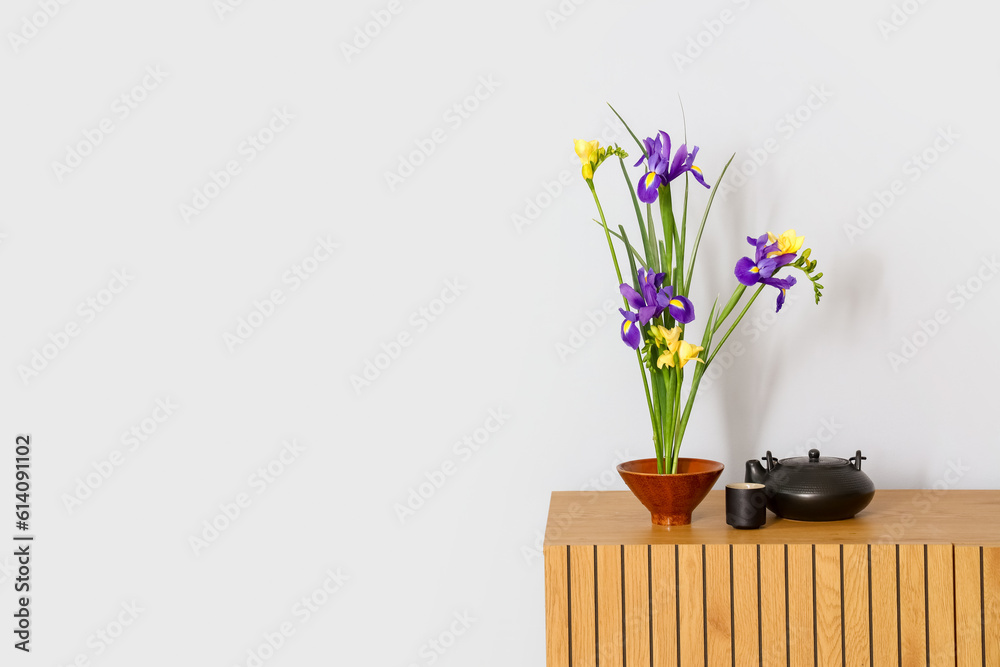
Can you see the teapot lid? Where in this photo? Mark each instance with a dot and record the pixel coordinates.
(814, 460)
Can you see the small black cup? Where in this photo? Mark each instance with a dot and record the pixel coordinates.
(746, 505)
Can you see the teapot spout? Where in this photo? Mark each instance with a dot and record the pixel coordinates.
(755, 472)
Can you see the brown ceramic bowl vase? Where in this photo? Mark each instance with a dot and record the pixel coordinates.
(670, 499)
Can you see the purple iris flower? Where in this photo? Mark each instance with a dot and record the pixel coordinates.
(661, 170)
(680, 307)
(650, 302)
(630, 330)
(761, 268)
(646, 302)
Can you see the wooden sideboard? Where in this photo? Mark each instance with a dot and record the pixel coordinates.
(914, 579)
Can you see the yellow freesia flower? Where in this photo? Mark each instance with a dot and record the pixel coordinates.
(787, 242)
(663, 337)
(685, 352)
(587, 151)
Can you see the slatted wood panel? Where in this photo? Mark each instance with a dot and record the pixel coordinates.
(637, 585)
(941, 604)
(969, 606)
(746, 605)
(857, 599)
(618, 605)
(610, 636)
(717, 605)
(664, 572)
(829, 605)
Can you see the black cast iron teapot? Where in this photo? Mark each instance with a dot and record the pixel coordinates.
(813, 488)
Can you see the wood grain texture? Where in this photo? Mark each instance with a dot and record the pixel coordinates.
(583, 627)
(637, 605)
(616, 517)
(941, 603)
(772, 605)
(857, 636)
(718, 605)
(691, 594)
(556, 608)
(991, 603)
(968, 607)
(609, 605)
(800, 604)
(746, 617)
(912, 605)
(664, 567)
(828, 603)
(885, 625)
(746, 620)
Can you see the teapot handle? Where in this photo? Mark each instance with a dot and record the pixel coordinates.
(770, 460)
(857, 459)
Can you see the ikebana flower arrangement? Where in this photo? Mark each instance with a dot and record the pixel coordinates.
(658, 314)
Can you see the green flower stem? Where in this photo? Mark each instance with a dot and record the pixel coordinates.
(675, 447)
(683, 287)
(618, 271)
(669, 230)
(733, 300)
(726, 337)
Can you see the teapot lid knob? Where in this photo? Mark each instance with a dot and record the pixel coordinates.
(814, 455)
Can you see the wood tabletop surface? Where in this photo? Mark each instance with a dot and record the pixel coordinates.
(911, 516)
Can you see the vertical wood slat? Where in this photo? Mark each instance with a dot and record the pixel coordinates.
(664, 569)
(556, 607)
(691, 594)
(885, 626)
(968, 608)
(800, 604)
(609, 605)
(582, 613)
(857, 636)
(829, 599)
(718, 604)
(941, 603)
(912, 605)
(991, 603)
(746, 617)
(637, 604)
(772, 605)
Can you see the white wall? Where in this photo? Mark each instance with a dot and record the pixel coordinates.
(887, 95)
